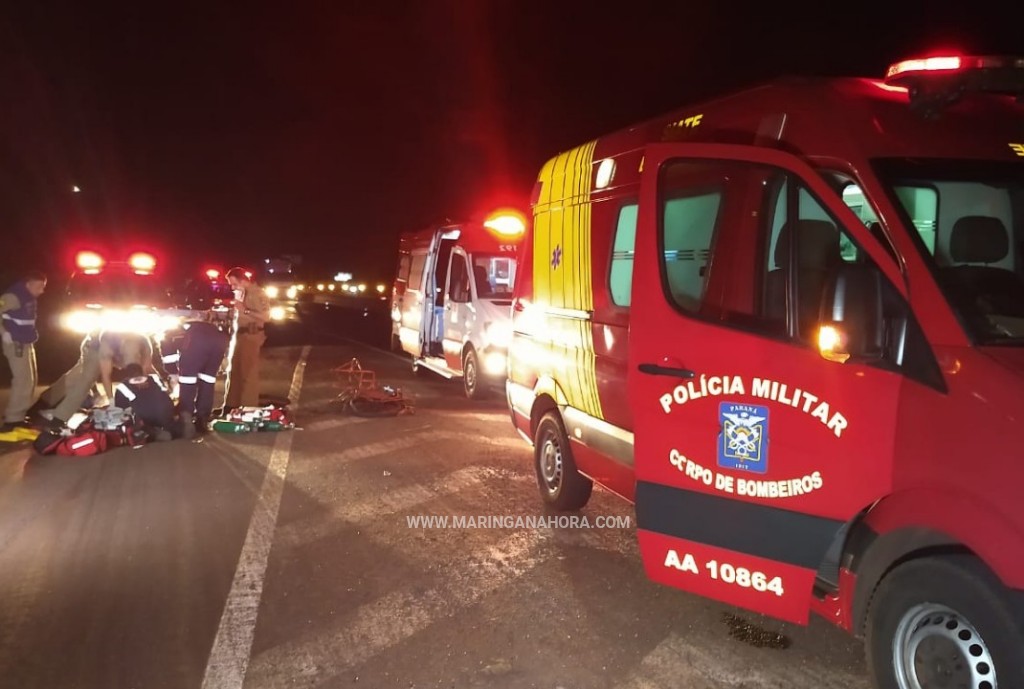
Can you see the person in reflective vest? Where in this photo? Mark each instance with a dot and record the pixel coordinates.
(200, 353)
(149, 402)
(19, 334)
(100, 354)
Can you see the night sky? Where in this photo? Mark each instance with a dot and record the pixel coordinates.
(220, 134)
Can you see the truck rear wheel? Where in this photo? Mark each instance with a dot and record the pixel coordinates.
(474, 388)
(943, 622)
(561, 485)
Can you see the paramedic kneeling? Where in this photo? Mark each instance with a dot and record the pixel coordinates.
(149, 402)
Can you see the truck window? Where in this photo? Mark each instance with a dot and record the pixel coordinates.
(458, 279)
(404, 264)
(494, 276)
(820, 247)
(691, 195)
(416, 271)
(968, 217)
(621, 274)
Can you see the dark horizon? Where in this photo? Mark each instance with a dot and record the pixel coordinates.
(214, 135)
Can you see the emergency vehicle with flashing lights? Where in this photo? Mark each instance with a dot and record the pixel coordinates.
(210, 291)
(124, 294)
(788, 325)
(450, 305)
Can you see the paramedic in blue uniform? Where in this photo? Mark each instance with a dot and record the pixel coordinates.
(202, 348)
(19, 334)
(149, 402)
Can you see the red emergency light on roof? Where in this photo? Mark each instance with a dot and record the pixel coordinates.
(142, 262)
(508, 223)
(213, 273)
(89, 261)
(928, 64)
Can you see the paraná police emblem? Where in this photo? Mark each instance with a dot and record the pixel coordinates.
(743, 442)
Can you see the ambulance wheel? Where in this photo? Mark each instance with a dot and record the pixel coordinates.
(474, 387)
(561, 485)
(944, 622)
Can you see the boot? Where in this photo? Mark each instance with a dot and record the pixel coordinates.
(188, 426)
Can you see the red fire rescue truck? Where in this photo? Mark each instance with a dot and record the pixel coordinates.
(813, 294)
(452, 298)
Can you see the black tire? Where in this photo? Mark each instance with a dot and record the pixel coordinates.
(474, 388)
(561, 485)
(944, 622)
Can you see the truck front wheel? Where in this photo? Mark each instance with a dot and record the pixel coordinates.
(561, 485)
(941, 622)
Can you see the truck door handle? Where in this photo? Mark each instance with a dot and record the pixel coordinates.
(659, 370)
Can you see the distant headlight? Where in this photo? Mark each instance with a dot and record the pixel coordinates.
(499, 333)
(293, 292)
(272, 291)
(277, 313)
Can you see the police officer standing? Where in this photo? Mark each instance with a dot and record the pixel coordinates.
(200, 353)
(252, 311)
(19, 334)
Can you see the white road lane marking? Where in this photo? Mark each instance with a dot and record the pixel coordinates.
(316, 659)
(229, 657)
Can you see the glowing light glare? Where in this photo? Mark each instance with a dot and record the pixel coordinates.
(832, 343)
(362, 288)
(500, 333)
(142, 321)
(331, 286)
(213, 273)
(343, 277)
(292, 292)
(605, 172)
(272, 291)
(506, 223)
(928, 64)
(89, 260)
(320, 287)
(277, 313)
(142, 262)
(494, 363)
(381, 288)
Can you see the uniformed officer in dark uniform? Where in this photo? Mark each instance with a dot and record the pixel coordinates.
(150, 404)
(201, 349)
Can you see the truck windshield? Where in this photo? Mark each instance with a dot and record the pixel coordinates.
(494, 276)
(969, 222)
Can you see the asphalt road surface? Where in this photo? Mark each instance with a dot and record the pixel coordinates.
(289, 559)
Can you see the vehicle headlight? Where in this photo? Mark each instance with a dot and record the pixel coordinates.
(277, 313)
(499, 333)
(494, 363)
(272, 291)
(293, 292)
(83, 321)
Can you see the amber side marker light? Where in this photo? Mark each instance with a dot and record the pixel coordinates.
(832, 344)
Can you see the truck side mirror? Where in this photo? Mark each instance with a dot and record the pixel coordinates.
(851, 326)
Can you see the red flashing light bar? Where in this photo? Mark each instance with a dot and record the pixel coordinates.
(213, 273)
(89, 261)
(141, 262)
(929, 64)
